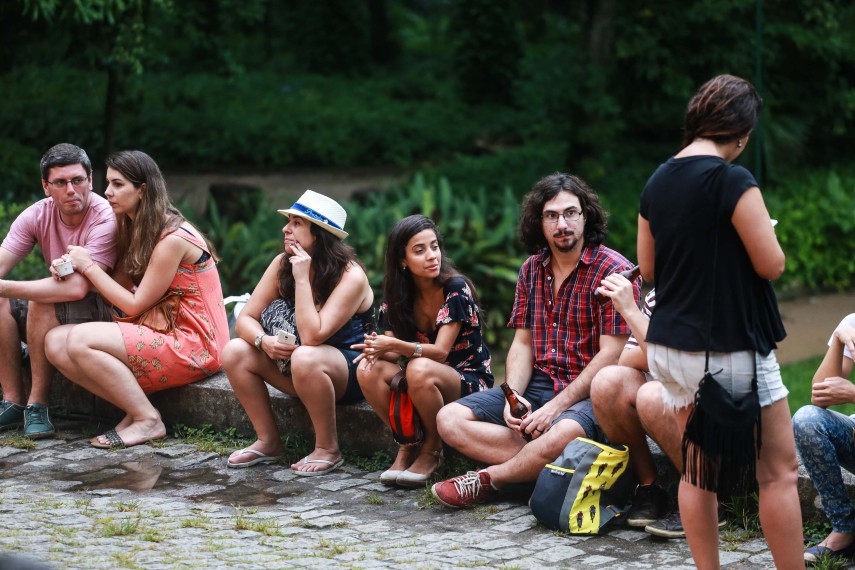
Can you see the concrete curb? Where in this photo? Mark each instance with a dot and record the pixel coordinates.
(212, 402)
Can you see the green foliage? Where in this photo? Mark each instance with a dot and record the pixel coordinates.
(479, 229)
(33, 265)
(246, 248)
(329, 36)
(816, 229)
(270, 120)
(206, 439)
(380, 460)
(487, 50)
(745, 512)
(797, 378)
(20, 167)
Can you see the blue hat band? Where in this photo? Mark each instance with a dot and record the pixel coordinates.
(310, 213)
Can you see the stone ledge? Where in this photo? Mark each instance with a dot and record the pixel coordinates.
(212, 401)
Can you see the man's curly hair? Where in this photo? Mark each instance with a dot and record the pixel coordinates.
(531, 219)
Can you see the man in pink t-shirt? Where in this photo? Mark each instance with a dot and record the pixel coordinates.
(70, 215)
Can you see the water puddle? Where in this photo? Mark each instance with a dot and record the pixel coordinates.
(200, 484)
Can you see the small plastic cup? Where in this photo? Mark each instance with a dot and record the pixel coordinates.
(64, 268)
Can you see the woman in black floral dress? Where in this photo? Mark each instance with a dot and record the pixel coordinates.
(431, 318)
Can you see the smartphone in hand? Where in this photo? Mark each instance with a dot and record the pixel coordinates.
(285, 337)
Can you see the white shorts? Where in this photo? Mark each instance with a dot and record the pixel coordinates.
(680, 373)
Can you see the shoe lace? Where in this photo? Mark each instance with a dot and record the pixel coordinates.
(468, 486)
(37, 415)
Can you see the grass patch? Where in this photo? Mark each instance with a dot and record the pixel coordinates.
(123, 527)
(267, 527)
(426, 499)
(205, 438)
(153, 536)
(375, 500)
(743, 512)
(380, 460)
(196, 522)
(481, 512)
(125, 560)
(816, 529)
(797, 378)
(128, 507)
(18, 441)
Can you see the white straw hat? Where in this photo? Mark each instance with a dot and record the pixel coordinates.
(322, 211)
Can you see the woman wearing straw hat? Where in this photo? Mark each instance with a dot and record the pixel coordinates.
(295, 332)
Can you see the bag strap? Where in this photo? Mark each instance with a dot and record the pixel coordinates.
(723, 176)
(399, 382)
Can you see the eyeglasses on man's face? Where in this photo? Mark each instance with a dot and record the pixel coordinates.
(570, 215)
(60, 184)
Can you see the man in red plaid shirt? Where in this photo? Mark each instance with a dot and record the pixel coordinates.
(563, 338)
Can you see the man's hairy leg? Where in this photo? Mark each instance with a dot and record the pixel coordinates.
(484, 442)
(526, 465)
(10, 355)
(40, 319)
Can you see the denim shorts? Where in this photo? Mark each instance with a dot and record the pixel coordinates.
(489, 405)
(680, 373)
(353, 392)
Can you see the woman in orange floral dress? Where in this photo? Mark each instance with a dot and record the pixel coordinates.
(167, 281)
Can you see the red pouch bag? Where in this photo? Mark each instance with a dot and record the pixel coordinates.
(405, 421)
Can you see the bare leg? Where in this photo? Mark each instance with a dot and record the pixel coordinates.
(375, 387)
(41, 318)
(10, 355)
(247, 369)
(484, 442)
(431, 385)
(320, 375)
(97, 352)
(659, 422)
(526, 465)
(777, 476)
(699, 513)
(613, 394)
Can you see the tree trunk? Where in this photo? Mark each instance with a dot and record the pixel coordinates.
(600, 30)
(110, 109)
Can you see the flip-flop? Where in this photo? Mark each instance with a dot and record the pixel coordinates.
(261, 458)
(113, 440)
(333, 465)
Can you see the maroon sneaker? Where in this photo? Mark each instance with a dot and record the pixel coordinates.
(464, 490)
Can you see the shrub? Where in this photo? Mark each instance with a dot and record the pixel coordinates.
(245, 248)
(479, 228)
(816, 229)
(20, 167)
(32, 266)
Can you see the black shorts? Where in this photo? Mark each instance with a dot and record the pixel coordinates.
(88, 309)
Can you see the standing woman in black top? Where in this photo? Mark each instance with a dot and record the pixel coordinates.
(699, 212)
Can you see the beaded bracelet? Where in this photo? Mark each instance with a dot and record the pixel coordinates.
(88, 267)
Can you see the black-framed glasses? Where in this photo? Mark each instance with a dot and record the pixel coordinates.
(60, 184)
(551, 218)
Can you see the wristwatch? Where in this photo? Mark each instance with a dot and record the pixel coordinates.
(418, 351)
(258, 340)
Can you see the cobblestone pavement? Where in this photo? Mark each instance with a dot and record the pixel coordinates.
(69, 505)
